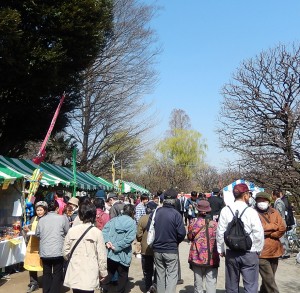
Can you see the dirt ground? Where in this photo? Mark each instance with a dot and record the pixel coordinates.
(287, 277)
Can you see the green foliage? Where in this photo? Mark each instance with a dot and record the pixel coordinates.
(44, 46)
(184, 148)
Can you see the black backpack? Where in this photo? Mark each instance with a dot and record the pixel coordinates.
(235, 236)
(289, 216)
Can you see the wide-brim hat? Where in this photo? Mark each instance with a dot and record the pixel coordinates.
(74, 201)
(203, 206)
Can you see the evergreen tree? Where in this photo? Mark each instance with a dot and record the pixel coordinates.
(44, 47)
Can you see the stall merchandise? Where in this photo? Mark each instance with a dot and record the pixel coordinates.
(12, 251)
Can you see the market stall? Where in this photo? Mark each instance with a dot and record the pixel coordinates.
(127, 187)
(227, 191)
(12, 251)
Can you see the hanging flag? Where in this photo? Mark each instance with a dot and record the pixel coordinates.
(74, 172)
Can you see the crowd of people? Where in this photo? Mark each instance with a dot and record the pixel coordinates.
(85, 243)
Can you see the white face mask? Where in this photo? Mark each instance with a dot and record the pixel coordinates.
(263, 205)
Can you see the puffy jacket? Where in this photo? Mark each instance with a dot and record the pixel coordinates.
(121, 232)
(203, 250)
(274, 228)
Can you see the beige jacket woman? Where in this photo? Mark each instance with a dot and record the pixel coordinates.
(89, 259)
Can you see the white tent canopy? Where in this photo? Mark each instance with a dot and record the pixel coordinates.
(227, 191)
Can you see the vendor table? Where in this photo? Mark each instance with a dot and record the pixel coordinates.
(12, 251)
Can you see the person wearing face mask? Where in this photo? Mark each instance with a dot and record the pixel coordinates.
(274, 228)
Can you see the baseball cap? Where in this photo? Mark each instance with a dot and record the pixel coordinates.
(239, 189)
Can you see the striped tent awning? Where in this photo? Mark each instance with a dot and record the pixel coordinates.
(105, 182)
(8, 174)
(130, 187)
(52, 174)
(26, 167)
(138, 187)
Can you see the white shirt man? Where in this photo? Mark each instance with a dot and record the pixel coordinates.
(239, 262)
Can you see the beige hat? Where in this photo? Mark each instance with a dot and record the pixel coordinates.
(74, 201)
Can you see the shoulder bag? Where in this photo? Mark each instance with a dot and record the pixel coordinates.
(72, 250)
(151, 232)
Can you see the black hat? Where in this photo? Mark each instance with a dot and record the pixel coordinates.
(151, 205)
(216, 190)
(170, 194)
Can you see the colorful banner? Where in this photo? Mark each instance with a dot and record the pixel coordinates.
(42, 152)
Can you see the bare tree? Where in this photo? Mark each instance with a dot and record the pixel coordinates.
(260, 117)
(110, 120)
(179, 119)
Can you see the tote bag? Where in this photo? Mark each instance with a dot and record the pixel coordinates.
(151, 232)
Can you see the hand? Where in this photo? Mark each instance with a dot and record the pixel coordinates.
(222, 254)
(109, 245)
(26, 228)
(102, 279)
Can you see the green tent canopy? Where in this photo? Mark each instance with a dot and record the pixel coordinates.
(105, 182)
(130, 187)
(52, 174)
(7, 173)
(26, 167)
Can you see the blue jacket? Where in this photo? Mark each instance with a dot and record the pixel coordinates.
(121, 232)
(191, 202)
(169, 229)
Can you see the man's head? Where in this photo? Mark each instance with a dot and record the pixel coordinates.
(277, 193)
(241, 192)
(150, 207)
(263, 200)
(53, 206)
(170, 196)
(194, 195)
(112, 197)
(59, 193)
(216, 191)
(156, 199)
(144, 198)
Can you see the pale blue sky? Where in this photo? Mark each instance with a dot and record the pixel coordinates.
(203, 44)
